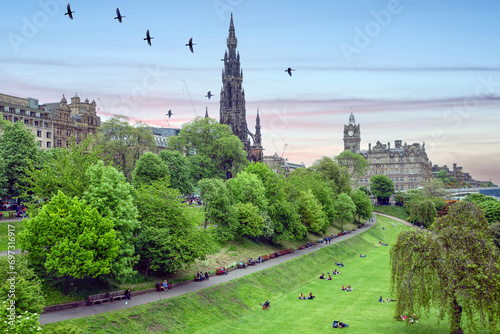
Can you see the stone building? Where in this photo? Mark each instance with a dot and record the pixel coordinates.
(406, 165)
(54, 124)
(460, 176)
(281, 165)
(232, 100)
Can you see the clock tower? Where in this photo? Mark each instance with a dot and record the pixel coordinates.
(352, 137)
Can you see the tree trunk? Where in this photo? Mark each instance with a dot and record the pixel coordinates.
(66, 284)
(456, 318)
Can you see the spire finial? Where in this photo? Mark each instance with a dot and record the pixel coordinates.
(206, 111)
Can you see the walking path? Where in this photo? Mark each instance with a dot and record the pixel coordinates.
(85, 311)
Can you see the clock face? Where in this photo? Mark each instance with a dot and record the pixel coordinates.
(350, 133)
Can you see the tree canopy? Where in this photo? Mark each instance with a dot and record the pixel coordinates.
(212, 148)
(180, 170)
(355, 163)
(148, 169)
(381, 187)
(453, 267)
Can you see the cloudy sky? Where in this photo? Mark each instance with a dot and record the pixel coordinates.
(419, 71)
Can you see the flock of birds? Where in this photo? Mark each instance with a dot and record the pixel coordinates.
(148, 38)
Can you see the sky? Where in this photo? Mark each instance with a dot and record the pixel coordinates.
(417, 71)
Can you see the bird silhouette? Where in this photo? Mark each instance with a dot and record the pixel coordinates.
(148, 37)
(69, 13)
(169, 113)
(289, 71)
(119, 16)
(209, 95)
(190, 44)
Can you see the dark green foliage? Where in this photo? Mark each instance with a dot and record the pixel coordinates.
(311, 212)
(148, 169)
(365, 190)
(495, 232)
(170, 237)
(248, 188)
(346, 209)
(364, 209)
(381, 187)
(250, 222)
(491, 211)
(180, 170)
(454, 267)
(212, 148)
(218, 208)
(479, 198)
(286, 221)
(423, 212)
(18, 151)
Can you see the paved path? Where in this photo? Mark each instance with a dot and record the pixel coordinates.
(84, 311)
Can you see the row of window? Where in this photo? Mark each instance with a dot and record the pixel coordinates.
(394, 166)
(395, 171)
(395, 179)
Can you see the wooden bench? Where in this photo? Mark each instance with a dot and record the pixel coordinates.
(302, 247)
(117, 295)
(264, 258)
(99, 298)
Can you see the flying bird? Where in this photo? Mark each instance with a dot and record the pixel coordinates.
(69, 13)
(169, 113)
(148, 38)
(119, 16)
(190, 44)
(209, 95)
(289, 71)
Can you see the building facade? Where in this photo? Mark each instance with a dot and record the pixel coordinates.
(281, 165)
(406, 165)
(53, 124)
(232, 100)
(460, 176)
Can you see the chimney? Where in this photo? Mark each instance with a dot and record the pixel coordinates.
(369, 147)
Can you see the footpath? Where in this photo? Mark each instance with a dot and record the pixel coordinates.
(178, 290)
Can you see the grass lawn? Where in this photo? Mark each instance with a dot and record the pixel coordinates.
(4, 230)
(233, 307)
(396, 211)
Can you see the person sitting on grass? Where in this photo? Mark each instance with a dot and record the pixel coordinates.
(340, 264)
(348, 288)
(361, 255)
(301, 296)
(380, 300)
(336, 272)
(311, 296)
(266, 304)
(329, 278)
(390, 300)
(322, 276)
(343, 287)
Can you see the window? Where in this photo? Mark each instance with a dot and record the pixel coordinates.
(12, 109)
(48, 144)
(45, 125)
(36, 123)
(39, 133)
(22, 112)
(15, 119)
(26, 121)
(48, 134)
(2, 108)
(59, 143)
(40, 143)
(32, 114)
(67, 143)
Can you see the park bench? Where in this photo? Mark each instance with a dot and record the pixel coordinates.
(99, 298)
(251, 263)
(314, 243)
(302, 247)
(220, 271)
(264, 258)
(242, 266)
(117, 295)
(272, 256)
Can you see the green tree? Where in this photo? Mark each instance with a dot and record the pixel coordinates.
(63, 170)
(180, 169)
(355, 163)
(250, 222)
(3, 178)
(273, 182)
(443, 176)
(364, 209)
(218, 208)
(491, 211)
(311, 212)
(381, 187)
(123, 144)
(247, 187)
(212, 148)
(337, 176)
(479, 198)
(18, 151)
(495, 232)
(71, 239)
(365, 190)
(28, 294)
(286, 221)
(346, 210)
(170, 238)
(112, 196)
(149, 168)
(423, 212)
(434, 188)
(454, 268)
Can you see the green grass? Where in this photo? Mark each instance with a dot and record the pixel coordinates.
(4, 230)
(396, 211)
(233, 307)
